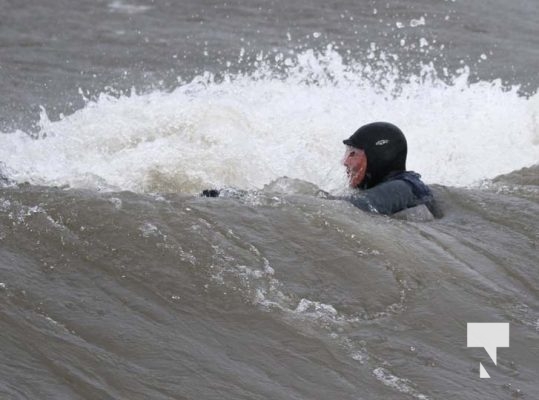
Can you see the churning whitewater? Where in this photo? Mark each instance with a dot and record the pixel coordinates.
(244, 131)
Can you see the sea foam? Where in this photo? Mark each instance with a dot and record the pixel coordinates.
(244, 130)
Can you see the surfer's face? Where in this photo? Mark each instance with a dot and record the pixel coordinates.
(355, 162)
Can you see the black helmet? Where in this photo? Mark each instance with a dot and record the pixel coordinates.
(385, 147)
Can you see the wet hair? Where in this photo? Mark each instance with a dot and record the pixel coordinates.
(385, 147)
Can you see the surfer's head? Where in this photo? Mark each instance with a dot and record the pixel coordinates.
(374, 151)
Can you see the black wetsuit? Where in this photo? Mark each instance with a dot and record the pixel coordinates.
(399, 191)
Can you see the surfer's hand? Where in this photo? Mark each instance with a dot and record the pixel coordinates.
(210, 193)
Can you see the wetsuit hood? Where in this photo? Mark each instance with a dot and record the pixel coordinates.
(385, 147)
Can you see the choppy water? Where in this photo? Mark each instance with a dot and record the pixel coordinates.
(117, 281)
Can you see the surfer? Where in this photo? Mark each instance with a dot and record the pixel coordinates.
(375, 161)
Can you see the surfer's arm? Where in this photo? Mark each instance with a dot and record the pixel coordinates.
(210, 193)
(224, 192)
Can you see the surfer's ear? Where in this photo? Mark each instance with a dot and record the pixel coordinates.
(210, 193)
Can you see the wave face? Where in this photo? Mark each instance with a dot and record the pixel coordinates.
(245, 130)
(269, 295)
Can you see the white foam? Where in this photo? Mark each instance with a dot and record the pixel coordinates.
(248, 130)
(316, 308)
(120, 6)
(400, 384)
